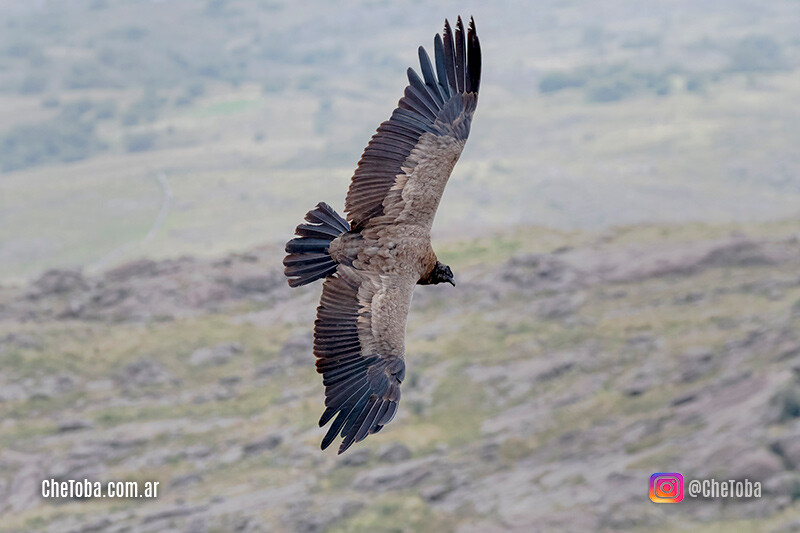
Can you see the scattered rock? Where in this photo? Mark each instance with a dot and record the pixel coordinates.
(788, 350)
(301, 518)
(552, 370)
(74, 425)
(198, 451)
(255, 283)
(55, 282)
(10, 392)
(143, 372)
(185, 480)
(642, 381)
(230, 381)
(489, 452)
(559, 307)
(784, 406)
(141, 268)
(267, 369)
(98, 525)
(756, 465)
(689, 298)
(695, 364)
(270, 442)
(628, 518)
(147, 290)
(394, 453)
(785, 484)
(126, 443)
(789, 448)
(396, 477)
(216, 355)
(358, 457)
(436, 491)
(791, 527)
(738, 252)
(232, 455)
(25, 489)
(540, 272)
(298, 349)
(107, 298)
(683, 399)
(173, 512)
(24, 341)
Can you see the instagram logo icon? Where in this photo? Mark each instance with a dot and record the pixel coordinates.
(666, 487)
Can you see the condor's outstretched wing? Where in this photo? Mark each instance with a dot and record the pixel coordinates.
(404, 169)
(359, 341)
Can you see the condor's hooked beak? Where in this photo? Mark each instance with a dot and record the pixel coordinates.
(451, 280)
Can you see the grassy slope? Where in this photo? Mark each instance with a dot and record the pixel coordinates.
(448, 410)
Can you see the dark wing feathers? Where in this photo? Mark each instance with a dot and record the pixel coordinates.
(431, 83)
(441, 102)
(362, 387)
(441, 68)
(461, 58)
(450, 57)
(473, 60)
(419, 93)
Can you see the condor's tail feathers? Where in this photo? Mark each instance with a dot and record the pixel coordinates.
(307, 256)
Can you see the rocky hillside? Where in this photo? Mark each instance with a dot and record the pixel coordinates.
(541, 393)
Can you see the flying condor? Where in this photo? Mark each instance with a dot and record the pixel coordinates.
(372, 261)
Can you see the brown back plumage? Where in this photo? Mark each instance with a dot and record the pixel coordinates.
(359, 334)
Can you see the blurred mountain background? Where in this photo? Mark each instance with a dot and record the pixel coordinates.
(624, 225)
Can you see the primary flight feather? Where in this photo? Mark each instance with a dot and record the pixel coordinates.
(373, 260)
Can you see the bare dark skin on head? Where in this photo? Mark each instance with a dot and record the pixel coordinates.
(441, 273)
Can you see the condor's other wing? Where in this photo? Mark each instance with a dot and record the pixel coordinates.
(359, 342)
(404, 169)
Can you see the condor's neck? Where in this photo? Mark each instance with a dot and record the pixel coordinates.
(428, 266)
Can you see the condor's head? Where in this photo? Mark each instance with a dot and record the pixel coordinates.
(440, 274)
